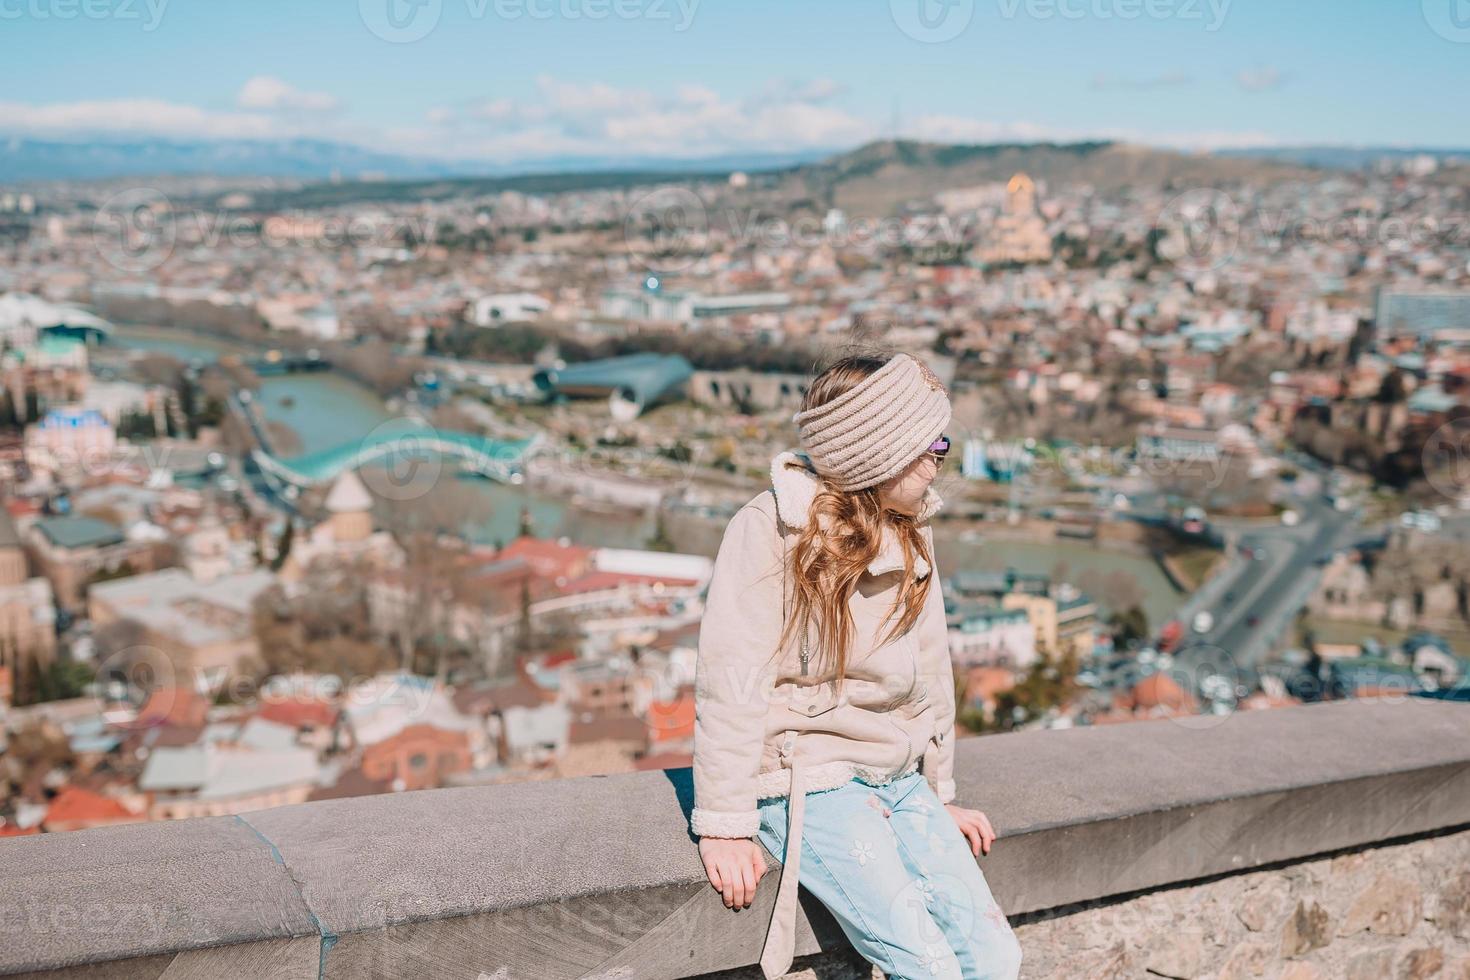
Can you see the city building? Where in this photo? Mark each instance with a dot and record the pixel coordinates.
(71, 551)
(1422, 313)
(1019, 233)
(211, 780)
(502, 308)
(203, 624)
(70, 442)
(421, 756)
(993, 636)
(631, 383)
(1063, 624)
(27, 609)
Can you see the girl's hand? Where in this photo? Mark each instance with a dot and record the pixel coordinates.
(975, 826)
(735, 866)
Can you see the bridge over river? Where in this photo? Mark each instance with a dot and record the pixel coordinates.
(498, 459)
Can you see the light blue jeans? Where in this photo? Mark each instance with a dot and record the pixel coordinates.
(897, 874)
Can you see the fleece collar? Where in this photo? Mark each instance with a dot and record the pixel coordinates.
(795, 483)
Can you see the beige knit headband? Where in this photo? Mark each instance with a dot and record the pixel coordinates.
(868, 434)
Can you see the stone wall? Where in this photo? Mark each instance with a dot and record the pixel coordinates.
(1394, 912)
(1322, 841)
(1398, 911)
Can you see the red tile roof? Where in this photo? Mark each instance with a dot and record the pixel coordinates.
(549, 559)
(180, 706)
(298, 713)
(1159, 690)
(77, 807)
(671, 720)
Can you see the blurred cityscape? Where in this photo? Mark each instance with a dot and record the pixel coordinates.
(331, 486)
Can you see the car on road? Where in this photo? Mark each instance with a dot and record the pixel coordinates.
(1424, 520)
(1203, 621)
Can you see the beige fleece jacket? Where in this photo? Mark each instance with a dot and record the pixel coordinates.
(895, 712)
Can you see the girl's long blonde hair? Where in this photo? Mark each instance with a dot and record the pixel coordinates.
(842, 534)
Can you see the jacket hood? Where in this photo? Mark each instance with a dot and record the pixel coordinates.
(795, 482)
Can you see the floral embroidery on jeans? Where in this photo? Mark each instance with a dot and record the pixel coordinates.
(862, 850)
(926, 890)
(932, 959)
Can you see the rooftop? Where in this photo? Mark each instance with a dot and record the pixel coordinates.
(79, 531)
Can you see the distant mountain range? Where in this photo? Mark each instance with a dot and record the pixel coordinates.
(23, 159)
(1343, 157)
(870, 179)
(874, 179)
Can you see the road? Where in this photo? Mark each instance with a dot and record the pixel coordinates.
(1255, 601)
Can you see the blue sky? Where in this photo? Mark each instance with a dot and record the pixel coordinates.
(505, 80)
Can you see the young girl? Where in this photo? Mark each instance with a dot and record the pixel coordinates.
(824, 669)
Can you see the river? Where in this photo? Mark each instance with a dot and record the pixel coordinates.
(325, 409)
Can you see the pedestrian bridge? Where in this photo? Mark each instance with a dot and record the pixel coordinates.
(498, 459)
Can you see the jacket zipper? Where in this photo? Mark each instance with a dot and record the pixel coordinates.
(805, 653)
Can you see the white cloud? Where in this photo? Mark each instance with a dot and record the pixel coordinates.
(574, 99)
(694, 120)
(495, 110)
(1260, 79)
(273, 95)
(131, 116)
(569, 119)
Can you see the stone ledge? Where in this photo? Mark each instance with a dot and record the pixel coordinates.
(598, 876)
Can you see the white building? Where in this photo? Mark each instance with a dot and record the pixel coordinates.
(996, 637)
(70, 439)
(501, 308)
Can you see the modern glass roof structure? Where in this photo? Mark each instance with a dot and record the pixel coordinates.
(632, 382)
